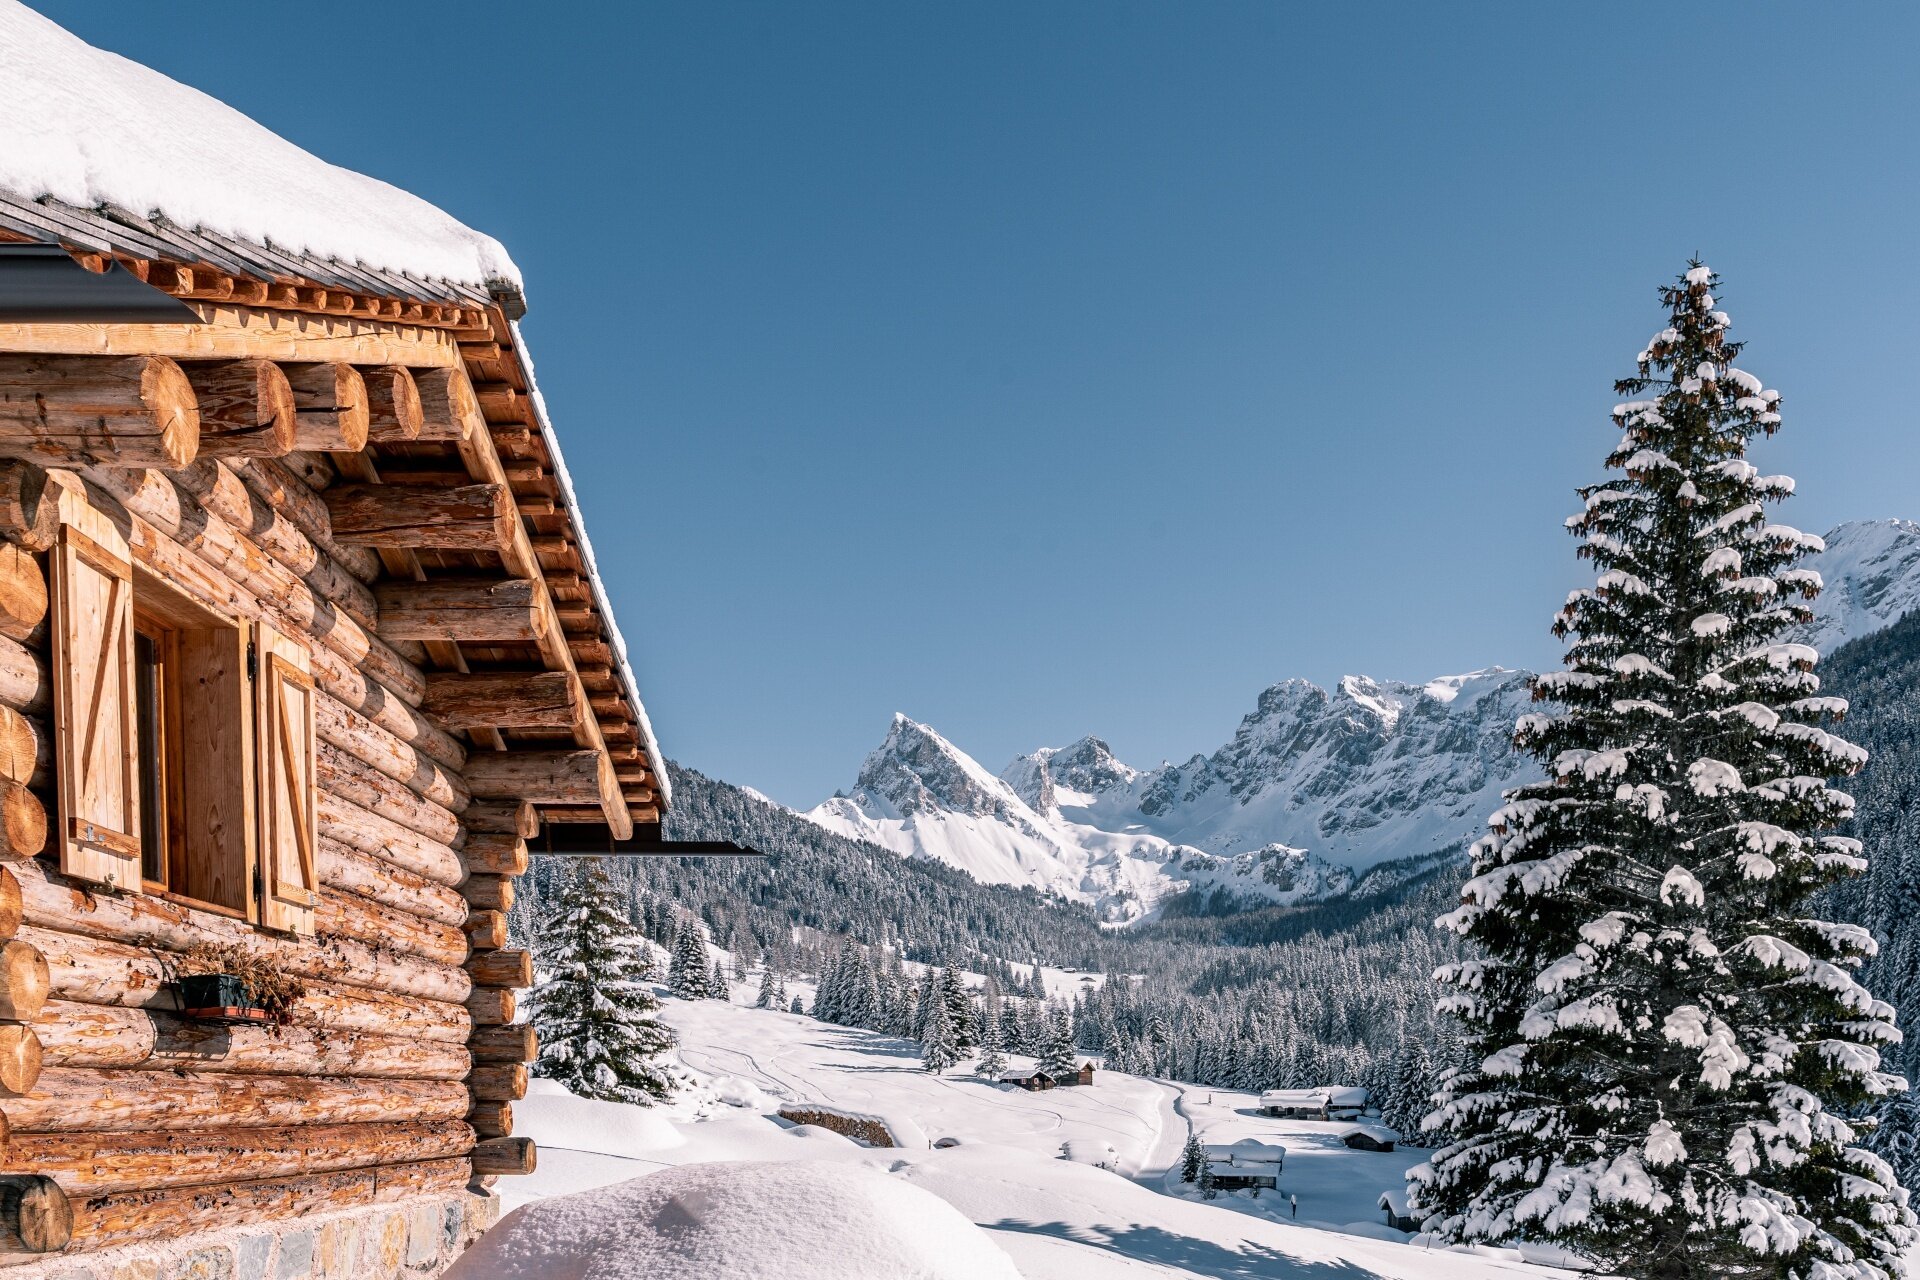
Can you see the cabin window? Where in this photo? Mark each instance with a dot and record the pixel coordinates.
(184, 740)
(190, 713)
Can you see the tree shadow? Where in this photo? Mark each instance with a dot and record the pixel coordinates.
(1249, 1261)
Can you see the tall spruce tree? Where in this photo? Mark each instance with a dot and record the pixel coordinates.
(1056, 1045)
(594, 1011)
(937, 1048)
(769, 996)
(1664, 1050)
(1192, 1156)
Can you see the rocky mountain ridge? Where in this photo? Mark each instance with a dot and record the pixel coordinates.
(1315, 789)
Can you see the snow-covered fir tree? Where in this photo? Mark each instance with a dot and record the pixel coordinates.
(1192, 1157)
(959, 1010)
(594, 1010)
(993, 1058)
(717, 985)
(937, 1048)
(687, 973)
(796, 1006)
(769, 996)
(1056, 1045)
(1665, 1047)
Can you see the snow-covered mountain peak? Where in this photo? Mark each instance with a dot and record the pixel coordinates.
(915, 770)
(1071, 775)
(1314, 788)
(1872, 574)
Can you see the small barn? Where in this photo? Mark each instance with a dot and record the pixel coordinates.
(1369, 1137)
(1322, 1102)
(1249, 1175)
(1394, 1205)
(1084, 1076)
(1031, 1081)
(1247, 1151)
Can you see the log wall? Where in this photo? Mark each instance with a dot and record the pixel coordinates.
(397, 1074)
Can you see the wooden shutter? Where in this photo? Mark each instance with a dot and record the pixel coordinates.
(284, 772)
(96, 730)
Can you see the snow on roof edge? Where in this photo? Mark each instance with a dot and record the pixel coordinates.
(89, 127)
(571, 502)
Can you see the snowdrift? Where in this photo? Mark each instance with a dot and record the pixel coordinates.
(797, 1220)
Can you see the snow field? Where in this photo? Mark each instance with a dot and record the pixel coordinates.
(1008, 1177)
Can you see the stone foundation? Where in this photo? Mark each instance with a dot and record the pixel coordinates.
(407, 1240)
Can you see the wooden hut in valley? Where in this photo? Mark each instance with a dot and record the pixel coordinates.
(301, 642)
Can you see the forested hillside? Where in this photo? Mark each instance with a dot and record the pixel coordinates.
(1273, 996)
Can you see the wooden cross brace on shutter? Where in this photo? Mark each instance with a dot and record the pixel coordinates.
(284, 773)
(95, 728)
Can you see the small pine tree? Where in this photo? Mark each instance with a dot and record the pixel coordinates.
(796, 1006)
(937, 1050)
(718, 988)
(1193, 1159)
(769, 996)
(959, 1011)
(687, 974)
(594, 1012)
(1666, 1051)
(1205, 1182)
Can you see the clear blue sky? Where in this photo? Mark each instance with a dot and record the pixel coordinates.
(1041, 370)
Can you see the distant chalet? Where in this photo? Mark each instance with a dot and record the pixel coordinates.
(1036, 1081)
(301, 643)
(1325, 1102)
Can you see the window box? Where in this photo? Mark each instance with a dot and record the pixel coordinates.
(220, 997)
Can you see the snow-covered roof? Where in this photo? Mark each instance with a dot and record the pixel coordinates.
(1294, 1098)
(1394, 1201)
(1247, 1149)
(1346, 1096)
(1377, 1132)
(89, 128)
(1244, 1169)
(616, 641)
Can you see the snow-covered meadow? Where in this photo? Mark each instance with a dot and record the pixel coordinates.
(1022, 1176)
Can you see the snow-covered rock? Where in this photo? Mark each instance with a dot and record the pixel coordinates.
(797, 1220)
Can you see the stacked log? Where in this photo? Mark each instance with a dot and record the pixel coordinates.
(121, 1119)
(25, 977)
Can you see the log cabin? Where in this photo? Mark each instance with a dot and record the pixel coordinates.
(301, 642)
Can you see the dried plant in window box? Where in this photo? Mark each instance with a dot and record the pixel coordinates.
(220, 982)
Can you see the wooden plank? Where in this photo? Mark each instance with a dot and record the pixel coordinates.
(93, 1164)
(246, 408)
(113, 1036)
(85, 1100)
(480, 610)
(117, 411)
(233, 332)
(393, 404)
(134, 1216)
(501, 699)
(331, 410)
(96, 971)
(543, 777)
(474, 517)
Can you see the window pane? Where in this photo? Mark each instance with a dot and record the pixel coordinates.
(153, 791)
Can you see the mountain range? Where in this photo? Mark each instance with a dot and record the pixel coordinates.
(1318, 793)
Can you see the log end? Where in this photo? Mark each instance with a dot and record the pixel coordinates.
(514, 1157)
(35, 1213)
(167, 392)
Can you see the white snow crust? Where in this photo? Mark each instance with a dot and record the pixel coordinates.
(89, 127)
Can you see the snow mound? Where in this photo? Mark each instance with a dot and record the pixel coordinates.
(90, 128)
(582, 1124)
(738, 1092)
(798, 1220)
